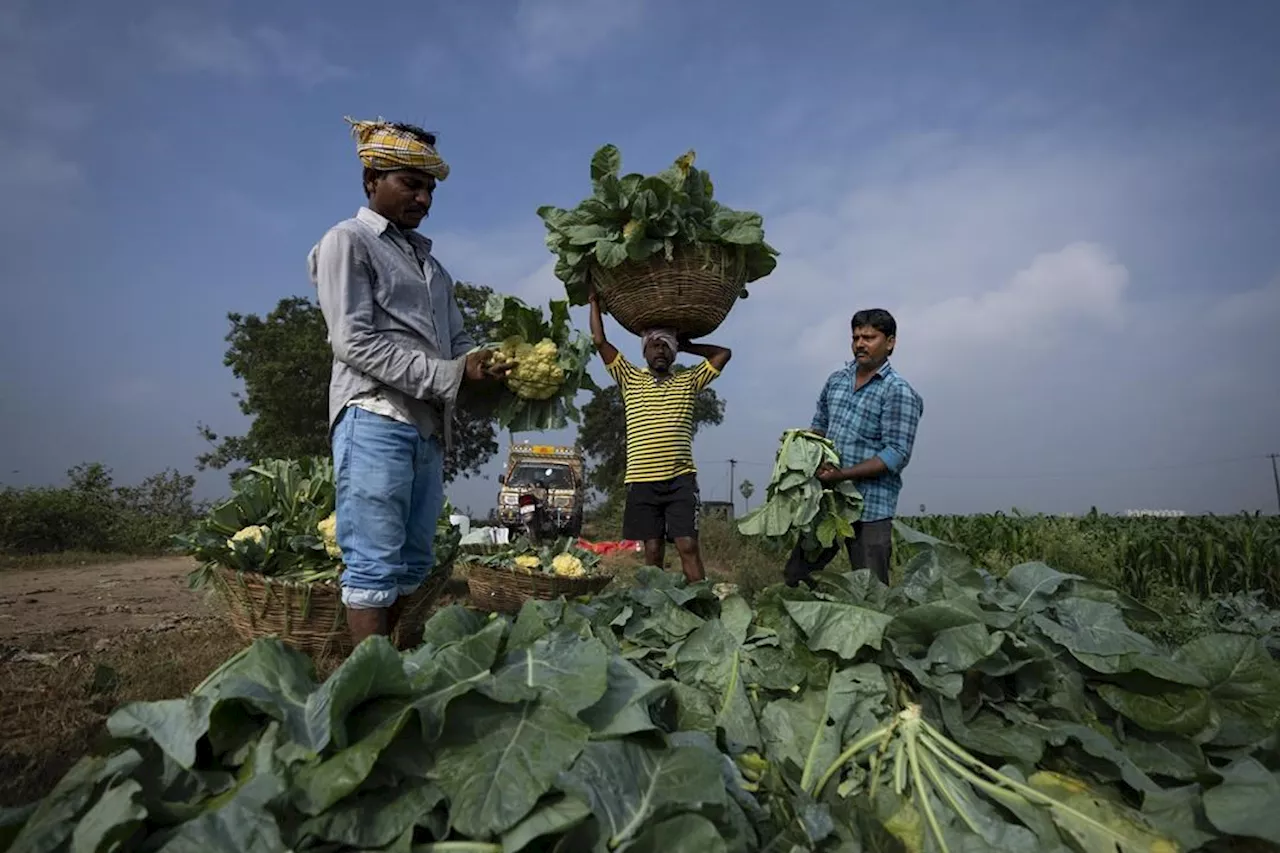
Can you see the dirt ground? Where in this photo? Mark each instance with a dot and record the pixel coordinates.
(103, 601)
(77, 641)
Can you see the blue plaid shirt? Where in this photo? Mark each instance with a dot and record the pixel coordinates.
(878, 419)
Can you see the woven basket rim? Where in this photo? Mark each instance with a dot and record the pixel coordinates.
(274, 581)
(503, 570)
(332, 584)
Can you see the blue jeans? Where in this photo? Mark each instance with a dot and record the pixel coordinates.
(390, 494)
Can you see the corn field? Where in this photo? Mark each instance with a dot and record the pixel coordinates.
(1146, 556)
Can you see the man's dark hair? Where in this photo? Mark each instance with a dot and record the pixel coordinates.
(371, 175)
(425, 135)
(877, 318)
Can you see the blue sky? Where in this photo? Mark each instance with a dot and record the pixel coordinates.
(1072, 209)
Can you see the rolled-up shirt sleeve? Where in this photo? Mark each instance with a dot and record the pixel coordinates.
(899, 419)
(344, 285)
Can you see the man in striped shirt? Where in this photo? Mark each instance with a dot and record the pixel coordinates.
(662, 481)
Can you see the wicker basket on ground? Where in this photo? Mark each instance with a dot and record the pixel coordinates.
(311, 617)
(506, 591)
(691, 293)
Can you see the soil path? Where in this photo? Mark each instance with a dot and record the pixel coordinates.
(101, 601)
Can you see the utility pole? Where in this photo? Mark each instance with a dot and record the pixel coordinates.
(1275, 472)
(732, 498)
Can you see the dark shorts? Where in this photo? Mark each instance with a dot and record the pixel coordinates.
(667, 509)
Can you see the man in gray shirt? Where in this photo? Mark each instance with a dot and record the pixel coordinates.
(400, 355)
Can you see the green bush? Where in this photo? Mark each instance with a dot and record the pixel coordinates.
(92, 514)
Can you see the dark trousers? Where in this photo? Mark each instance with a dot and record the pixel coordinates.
(870, 548)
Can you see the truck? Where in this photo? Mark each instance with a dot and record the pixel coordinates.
(534, 467)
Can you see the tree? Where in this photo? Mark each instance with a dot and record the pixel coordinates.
(284, 361)
(748, 489)
(602, 435)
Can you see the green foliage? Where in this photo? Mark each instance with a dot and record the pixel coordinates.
(506, 317)
(603, 433)
(798, 508)
(634, 217)
(92, 514)
(284, 361)
(1239, 613)
(956, 711)
(1198, 556)
(277, 508)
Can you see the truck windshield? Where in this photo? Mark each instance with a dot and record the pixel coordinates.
(555, 476)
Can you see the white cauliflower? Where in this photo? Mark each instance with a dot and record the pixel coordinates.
(328, 529)
(537, 374)
(527, 562)
(254, 533)
(568, 566)
(724, 590)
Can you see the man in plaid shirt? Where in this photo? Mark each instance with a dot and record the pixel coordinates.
(870, 414)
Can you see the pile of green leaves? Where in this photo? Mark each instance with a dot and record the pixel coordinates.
(955, 712)
(508, 316)
(288, 498)
(798, 507)
(634, 217)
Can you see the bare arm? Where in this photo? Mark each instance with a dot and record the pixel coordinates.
(868, 469)
(718, 356)
(608, 352)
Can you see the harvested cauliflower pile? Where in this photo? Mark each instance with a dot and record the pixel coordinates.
(537, 374)
(255, 533)
(328, 529)
(568, 566)
(550, 361)
(528, 562)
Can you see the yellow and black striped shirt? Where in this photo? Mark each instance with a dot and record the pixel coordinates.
(659, 418)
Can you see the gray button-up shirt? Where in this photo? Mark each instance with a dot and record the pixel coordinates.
(394, 326)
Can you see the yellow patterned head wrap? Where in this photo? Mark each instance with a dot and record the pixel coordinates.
(384, 147)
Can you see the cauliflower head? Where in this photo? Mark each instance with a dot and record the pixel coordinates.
(568, 566)
(328, 529)
(528, 562)
(537, 374)
(254, 533)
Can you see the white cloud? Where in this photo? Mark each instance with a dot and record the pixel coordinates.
(550, 32)
(1257, 309)
(540, 286)
(199, 45)
(1080, 286)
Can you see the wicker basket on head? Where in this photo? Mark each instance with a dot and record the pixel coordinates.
(506, 591)
(691, 293)
(310, 616)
